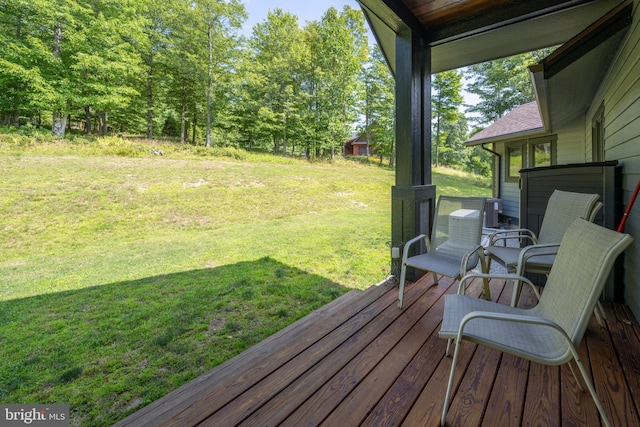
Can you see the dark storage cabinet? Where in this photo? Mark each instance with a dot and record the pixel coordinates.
(537, 185)
(603, 178)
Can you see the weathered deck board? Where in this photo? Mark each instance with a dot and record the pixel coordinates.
(362, 361)
(542, 400)
(506, 403)
(625, 335)
(577, 407)
(608, 378)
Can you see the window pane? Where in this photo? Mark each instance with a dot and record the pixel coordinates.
(542, 154)
(515, 161)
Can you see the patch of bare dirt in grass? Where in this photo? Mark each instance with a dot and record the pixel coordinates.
(216, 325)
(199, 183)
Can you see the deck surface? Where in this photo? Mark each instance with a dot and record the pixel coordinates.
(362, 361)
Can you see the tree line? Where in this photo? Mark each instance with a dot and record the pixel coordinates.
(182, 69)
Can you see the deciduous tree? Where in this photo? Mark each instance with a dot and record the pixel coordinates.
(379, 106)
(446, 114)
(279, 56)
(215, 22)
(340, 54)
(501, 85)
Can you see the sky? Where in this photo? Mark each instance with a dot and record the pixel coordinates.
(305, 10)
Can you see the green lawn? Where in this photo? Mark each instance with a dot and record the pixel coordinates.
(124, 275)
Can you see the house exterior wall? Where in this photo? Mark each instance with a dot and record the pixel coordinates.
(569, 147)
(618, 99)
(620, 95)
(509, 191)
(570, 143)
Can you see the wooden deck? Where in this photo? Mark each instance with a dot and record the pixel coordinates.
(362, 361)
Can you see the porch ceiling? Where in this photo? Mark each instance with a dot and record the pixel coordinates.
(465, 32)
(566, 81)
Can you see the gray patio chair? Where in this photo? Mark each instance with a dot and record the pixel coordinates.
(550, 332)
(454, 247)
(562, 209)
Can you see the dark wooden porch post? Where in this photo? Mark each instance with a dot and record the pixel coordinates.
(413, 196)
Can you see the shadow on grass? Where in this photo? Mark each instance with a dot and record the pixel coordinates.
(109, 350)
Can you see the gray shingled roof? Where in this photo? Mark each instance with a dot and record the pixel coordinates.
(525, 118)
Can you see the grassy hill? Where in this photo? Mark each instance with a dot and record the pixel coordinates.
(125, 274)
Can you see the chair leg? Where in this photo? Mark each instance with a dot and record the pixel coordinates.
(403, 275)
(447, 396)
(575, 376)
(517, 287)
(515, 297)
(484, 267)
(435, 278)
(599, 312)
(592, 390)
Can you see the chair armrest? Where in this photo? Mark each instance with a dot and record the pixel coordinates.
(407, 246)
(462, 287)
(532, 251)
(519, 237)
(512, 230)
(522, 233)
(542, 249)
(467, 255)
